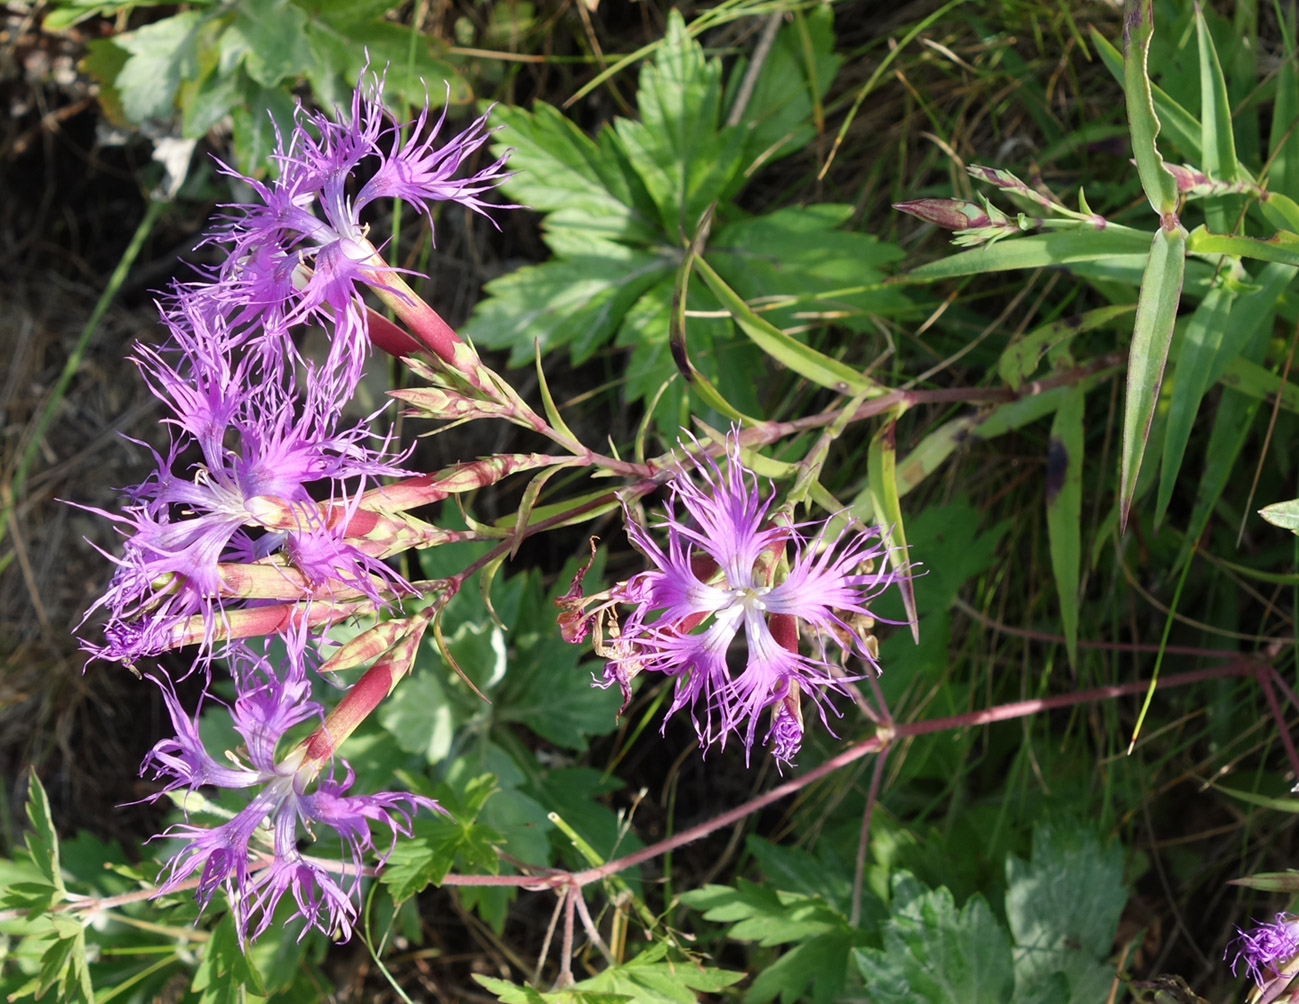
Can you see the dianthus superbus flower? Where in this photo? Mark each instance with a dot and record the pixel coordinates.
(718, 575)
(1266, 949)
(301, 252)
(261, 443)
(289, 801)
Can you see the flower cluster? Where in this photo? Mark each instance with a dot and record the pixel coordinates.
(728, 566)
(1266, 949)
(253, 520)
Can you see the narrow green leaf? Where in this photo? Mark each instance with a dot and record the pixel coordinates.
(1060, 247)
(1217, 139)
(1020, 359)
(1064, 464)
(1251, 322)
(1179, 125)
(802, 359)
(1161, 291)
(1283, 144)
(1256, 381)
(1282, 246)
(1197, 348)
(881, 472)
(1278, 804)
(1287, 881)
(1159, 185)
(553, 416)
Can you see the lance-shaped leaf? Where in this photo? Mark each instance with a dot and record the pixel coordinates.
(1138, 27)
(881, 472)
(802, 359)
(1287, 881)
(1180, 126)
(1217, 138)
(1161, 291)
(1060, 247)
(1064, 464)
(1282, 246)
(1283, 177)
(1197, 349)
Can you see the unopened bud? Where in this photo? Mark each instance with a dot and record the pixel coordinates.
(950, 214)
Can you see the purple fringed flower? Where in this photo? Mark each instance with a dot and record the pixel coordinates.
(282, 810)
(263, 444)
(1266, 949)
(299, 253)
(718, 575)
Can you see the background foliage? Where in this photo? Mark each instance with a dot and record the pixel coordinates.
(1050, 858)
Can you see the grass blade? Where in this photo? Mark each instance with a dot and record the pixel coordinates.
(1198, 347)
(1064, 464)
(1216, 136)
(1161, 291)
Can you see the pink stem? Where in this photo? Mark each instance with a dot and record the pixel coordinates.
(1019, 709)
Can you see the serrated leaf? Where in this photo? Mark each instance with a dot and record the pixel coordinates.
(225, 973)
(799, 264)
(42, 839)
(162, 54)
(1143, 121)
(934, 954)
(576, 302)
(1152, 334)
(1064, 468)
(585, 185)
(1064, 907)
(255, 120)
(33, 897)
(512, 993)
(272, 33)
(762, 914)
(439, 843)
(820, 963)
(652, 978)
(685, 157)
